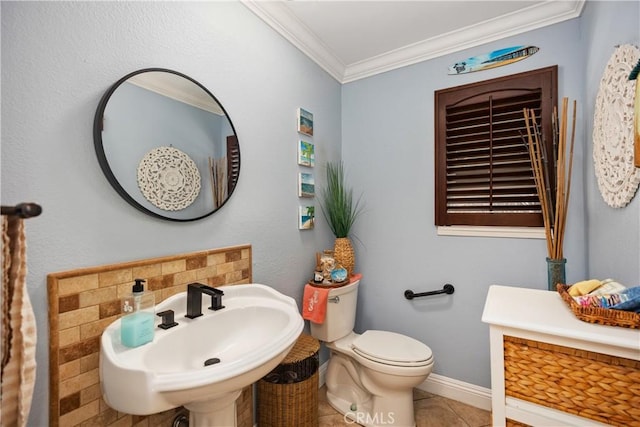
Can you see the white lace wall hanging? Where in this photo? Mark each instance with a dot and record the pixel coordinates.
(168, 178)
(613, 129)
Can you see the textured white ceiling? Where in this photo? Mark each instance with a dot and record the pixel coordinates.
(357, 30)
(357, 38)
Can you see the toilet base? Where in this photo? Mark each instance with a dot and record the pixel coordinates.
(362, 414)
(355, 394)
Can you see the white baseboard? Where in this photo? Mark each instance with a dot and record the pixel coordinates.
(470, 394)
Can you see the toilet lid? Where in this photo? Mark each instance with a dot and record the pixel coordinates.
(392, 349)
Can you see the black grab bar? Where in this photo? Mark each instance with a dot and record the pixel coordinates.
(447, 289)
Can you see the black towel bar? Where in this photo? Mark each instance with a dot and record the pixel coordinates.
(23, 210)
(447, 289)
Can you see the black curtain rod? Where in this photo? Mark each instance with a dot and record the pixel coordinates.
(23, 210)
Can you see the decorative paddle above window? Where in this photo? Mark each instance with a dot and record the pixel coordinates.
(483, 174)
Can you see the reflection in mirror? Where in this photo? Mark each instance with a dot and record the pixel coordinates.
(166, 145)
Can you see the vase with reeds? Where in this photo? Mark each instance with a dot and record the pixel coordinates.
(341, 211)
(553, 184)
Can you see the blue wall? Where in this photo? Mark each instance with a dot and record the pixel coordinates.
(388, 133)
(614, 234)
(58, 58)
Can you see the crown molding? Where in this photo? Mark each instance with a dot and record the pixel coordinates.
(511, 24)
(281, 19)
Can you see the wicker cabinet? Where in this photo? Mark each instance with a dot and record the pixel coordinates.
(548, 368)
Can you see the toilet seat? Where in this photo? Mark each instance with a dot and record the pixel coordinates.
(393, 349)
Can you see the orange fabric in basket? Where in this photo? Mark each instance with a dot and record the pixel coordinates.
(314, 303)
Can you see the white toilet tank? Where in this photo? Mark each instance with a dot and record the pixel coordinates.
(340, 317)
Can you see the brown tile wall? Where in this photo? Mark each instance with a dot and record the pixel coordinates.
(82, 303)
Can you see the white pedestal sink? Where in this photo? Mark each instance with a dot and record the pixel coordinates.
(250, 337)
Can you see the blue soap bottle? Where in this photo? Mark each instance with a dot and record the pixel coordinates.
(138, 320)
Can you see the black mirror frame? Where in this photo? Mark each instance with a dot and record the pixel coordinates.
(102, 158)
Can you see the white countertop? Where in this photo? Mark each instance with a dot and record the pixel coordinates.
(545, 312)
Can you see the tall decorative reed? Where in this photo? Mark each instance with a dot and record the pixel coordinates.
(218, 168)
(554, 206)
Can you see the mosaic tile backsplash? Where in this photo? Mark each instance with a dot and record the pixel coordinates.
(82, 303)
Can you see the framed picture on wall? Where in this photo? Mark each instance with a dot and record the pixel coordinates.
(306, 185)
(306, 217)
(306, 154)
(305, 122)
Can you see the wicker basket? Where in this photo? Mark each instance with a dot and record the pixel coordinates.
(602, 316)
(588, 384)
(512, 423)
(288, 395)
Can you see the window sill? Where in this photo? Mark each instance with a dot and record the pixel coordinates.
(478, 231)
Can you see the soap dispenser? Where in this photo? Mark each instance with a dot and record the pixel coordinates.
(137, 323)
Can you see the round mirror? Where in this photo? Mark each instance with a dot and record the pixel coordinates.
(166, 145)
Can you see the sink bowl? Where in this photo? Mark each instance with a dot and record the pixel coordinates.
(240, 344)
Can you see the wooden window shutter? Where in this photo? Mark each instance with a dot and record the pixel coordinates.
(233, 162)
(483, 174)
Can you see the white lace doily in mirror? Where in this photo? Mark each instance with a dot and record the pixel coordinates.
(168, 178)
(617, 176)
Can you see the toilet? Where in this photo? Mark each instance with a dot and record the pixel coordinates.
(370, 376)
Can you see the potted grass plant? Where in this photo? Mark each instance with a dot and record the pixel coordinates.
(341, 211)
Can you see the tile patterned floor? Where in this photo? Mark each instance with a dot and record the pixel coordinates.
(430, 411)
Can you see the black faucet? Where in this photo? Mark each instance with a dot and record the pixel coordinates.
(167, 319)
(194, 299)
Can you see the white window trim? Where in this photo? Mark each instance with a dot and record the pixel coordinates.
(491, 231)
